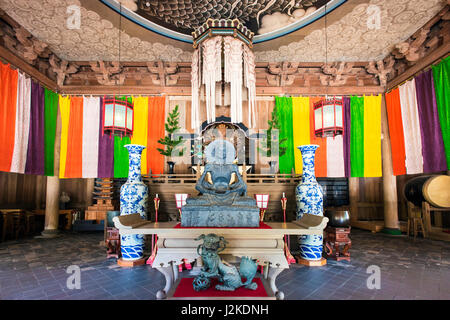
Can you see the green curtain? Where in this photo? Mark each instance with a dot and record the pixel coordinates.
(50, 117)
(120, 157)
(120, 152)
(284, 114)
(357, 136)
(441, 75)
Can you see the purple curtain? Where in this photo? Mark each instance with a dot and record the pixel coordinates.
(347, 123)
(105, 150)
(432, 144)
(36, 151)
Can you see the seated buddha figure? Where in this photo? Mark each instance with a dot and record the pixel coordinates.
(223, 194)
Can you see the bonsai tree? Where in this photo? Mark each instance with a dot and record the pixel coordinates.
(171, 144)
(267, 141)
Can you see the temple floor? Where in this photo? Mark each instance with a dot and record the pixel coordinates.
(36, 269)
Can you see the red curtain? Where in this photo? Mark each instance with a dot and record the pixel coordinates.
(394, 114)
(8, 100)
(156, 114)
(74, 162)
(321, 152)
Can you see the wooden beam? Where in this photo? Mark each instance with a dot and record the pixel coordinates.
(433, 57)
(186, 91)
(9, 57)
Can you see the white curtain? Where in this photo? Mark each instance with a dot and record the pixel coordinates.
(335, 157)
(22, 124)
(91, 120)
(411, 128)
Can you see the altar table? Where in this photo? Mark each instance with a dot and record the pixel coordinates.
(175, 245)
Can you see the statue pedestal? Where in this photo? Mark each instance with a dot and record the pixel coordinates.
(312, 263)
(130, 263)
(176, 245)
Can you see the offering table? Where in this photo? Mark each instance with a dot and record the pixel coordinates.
(176, 245)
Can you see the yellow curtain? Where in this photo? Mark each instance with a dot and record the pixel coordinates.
(372, 136)
(300, 119)
(64, 107)
(140, 130)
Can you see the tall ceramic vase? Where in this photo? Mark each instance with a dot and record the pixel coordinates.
(309, 196)
(133, 199)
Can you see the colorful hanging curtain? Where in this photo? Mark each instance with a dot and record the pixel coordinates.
(36, 151)
(411, 128)
(433, 152)
(22, 129)
(441, 76)
(91, 118)
(64, 110)
(121, 157)
(8, 100)
(372, 136)
(156, 111)
(301, 132)
(74, 163)
(346, 135)
(50, 118)
(120, 152)
(105, 150)
(321, 152)
(335, 157)
(284, 114)
(140, 128)
(357, 136)
(394, 114)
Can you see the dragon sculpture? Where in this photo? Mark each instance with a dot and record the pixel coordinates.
(229, 277)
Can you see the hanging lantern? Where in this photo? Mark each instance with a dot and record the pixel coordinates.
(328, 117)
(117, 116)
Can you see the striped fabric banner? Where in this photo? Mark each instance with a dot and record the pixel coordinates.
(156, 110)
(301, 131)
(411, 128)
(105, 150)
(140, 128)
(36, 150)
(91, 120)
(394, 114)
(64, 110)
(74, 158)
(433, 152)
(121, 157)
(357, 136)
(8, 100)
(321, 152)
(372, 136)
(22, 129)
(335, 157)
(50, 118)
(441, 74)
(284, 114)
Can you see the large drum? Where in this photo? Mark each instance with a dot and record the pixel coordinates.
(433, 189)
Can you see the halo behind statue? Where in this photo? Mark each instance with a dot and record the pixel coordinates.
(220, 152)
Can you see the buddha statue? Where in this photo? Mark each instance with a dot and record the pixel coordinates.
(223, 200)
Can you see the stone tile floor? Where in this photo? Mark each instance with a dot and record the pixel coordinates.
(36, 269)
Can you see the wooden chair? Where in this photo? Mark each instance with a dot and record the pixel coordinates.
(415, 220)
(30, 223)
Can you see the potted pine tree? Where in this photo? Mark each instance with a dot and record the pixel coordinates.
(172, 146)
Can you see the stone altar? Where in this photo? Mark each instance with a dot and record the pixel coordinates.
(223, 201)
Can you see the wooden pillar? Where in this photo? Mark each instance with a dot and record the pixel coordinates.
(353, 188)
(53, 189)
(390, 202)
(89, 191)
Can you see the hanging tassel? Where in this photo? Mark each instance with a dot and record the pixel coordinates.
(195, 112)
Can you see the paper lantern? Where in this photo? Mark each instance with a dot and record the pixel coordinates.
(328, 117)
(117, 116)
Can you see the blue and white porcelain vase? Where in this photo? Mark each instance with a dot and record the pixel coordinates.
(133, 199)
(309, 196)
